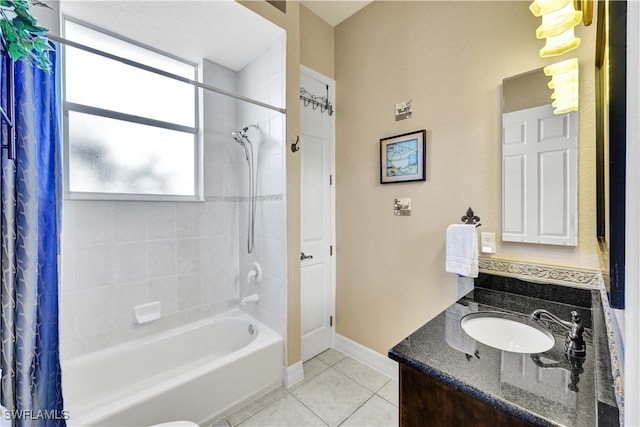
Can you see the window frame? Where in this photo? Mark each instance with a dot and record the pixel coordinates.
(196, 131)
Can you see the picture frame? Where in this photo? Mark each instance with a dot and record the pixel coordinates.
(402, 157)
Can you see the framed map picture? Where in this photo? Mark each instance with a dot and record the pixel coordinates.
(402, 157)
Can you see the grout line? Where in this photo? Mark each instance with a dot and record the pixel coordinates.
(328, 366)
(357, 409)
(258, 411)
(311, 410)
(384, 398)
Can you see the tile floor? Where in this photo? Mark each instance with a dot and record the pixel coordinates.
(336, 391)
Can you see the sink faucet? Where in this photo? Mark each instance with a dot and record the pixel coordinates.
(574, 345)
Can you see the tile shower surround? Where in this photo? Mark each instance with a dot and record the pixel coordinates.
(143, 252)
(190, 256)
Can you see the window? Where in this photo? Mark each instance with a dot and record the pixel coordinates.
(129, 131)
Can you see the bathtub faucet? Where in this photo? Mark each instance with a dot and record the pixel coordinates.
(574, 345)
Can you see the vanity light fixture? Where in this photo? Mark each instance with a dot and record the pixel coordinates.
(565, 85)
(559, 17)
(561, 67)
(563, 109)
(586, 6)
(560, 81)
(562, 43)
(541, 7)
(559, 21)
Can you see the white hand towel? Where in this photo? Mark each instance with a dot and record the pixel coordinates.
(462, 250)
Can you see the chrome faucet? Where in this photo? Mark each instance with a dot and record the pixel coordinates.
(574, 345)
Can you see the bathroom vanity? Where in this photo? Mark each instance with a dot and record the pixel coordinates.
(447, 378)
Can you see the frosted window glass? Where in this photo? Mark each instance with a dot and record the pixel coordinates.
(100, 82)
(114, 156)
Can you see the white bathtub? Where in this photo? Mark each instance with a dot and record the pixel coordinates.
(197, 372)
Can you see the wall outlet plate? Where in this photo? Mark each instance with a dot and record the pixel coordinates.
(488, 243)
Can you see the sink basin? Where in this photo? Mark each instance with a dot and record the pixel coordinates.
(507, 332)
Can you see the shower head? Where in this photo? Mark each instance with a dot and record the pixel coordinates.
(242, 139)
(240, 135)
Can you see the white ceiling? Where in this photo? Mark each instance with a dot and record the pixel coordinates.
(334, 11)
(223, 31)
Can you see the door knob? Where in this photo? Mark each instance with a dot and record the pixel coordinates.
(303, 256)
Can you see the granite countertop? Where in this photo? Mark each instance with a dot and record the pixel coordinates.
(543, 389)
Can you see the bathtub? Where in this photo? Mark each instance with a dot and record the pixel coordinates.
(197, 372)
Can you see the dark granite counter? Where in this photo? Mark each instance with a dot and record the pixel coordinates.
(540, 389)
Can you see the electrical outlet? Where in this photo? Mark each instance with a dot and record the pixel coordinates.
(488, 243)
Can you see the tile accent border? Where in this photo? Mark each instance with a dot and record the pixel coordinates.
(574, 277)
(237, 199)
(614, 349)
(559, 275)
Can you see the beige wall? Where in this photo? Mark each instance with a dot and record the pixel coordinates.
(450, 59)
(316, 43)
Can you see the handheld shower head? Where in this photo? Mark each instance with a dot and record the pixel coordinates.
(241, 138)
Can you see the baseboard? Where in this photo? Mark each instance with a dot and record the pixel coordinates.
(375, 360)
(292, 374)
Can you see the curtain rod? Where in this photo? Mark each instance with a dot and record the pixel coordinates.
(162, 72)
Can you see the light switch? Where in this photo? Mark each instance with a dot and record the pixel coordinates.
(488, 243)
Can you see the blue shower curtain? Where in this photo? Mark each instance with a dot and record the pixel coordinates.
(31, 378)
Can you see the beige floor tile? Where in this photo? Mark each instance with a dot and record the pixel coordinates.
(257, 405)
(361, 373)
(390, 392)
(331, 356)
(376, 412)
(332, 396)
(286, 412)
(313, 367)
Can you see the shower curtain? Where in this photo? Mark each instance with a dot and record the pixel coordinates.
(31, 191)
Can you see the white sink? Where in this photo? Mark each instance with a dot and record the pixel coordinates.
(507, 332)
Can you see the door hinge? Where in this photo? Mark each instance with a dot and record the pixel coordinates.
(330, 321)
(330, 250)
(330, 179)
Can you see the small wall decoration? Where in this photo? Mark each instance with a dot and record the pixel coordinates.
(402, 157)
(404, 110)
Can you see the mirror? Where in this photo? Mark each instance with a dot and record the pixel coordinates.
(539, 164)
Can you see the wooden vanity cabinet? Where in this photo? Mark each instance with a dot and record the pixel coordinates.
(427, 402)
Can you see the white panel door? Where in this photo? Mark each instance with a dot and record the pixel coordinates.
(540, 176)
(316, 261)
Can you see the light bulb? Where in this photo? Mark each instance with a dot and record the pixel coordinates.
(541, 7)
(557, 45)
(559, 21)
(561, 67)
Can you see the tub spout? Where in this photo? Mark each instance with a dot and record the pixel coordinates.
(250, 298)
